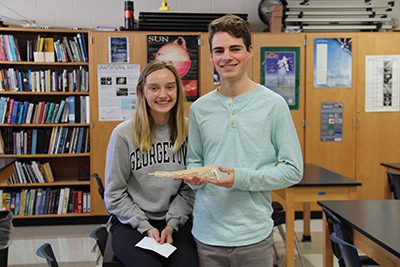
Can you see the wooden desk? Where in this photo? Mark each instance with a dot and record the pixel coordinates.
(318, 184)
(375, 226)
(393, 166)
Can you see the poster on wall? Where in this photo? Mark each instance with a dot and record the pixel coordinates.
(280, 72)
(332, 62)
(117, 90)
(382, 83)
(331, 121)
(118, 49)
(182, 50)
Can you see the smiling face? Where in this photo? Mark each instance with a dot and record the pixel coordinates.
(230, 56)
(160, 91)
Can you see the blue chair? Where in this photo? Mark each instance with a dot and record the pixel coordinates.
(394, 184)
(45, 251)
(335, 225)
(348, 252)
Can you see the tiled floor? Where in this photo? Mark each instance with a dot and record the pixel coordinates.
(73, 247)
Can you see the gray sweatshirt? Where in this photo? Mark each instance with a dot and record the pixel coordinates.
(136, 197)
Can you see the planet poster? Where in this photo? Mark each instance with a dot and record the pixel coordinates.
(183, 51)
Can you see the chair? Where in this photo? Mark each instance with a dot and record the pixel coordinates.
(99, 184)
(103, 241)
(279, 218)
(100, 235)
(45, 251)
(394, 184)
(335, 225)
(348, 251)
(100, 188)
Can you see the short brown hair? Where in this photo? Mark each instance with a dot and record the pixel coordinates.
(233, 25)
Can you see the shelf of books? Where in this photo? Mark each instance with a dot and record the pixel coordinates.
(45, 122)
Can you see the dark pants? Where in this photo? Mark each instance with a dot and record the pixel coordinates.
(124, 239)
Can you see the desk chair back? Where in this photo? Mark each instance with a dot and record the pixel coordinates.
(46, 251)
(335, 225)
(100, 235)
(104, 241)
(99, 184)
(348, 251)
(394, 184)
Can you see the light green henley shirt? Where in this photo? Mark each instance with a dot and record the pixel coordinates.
(250, 133)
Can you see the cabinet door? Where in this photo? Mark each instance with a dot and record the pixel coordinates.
(279, 41)
(101, 130)
(338, 156)
(378, 133)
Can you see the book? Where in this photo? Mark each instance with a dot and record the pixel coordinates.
(60, 111)
(60, 201)
(50, 112)
(48, 171)
(80, 140)
(14, 111)
(34, 140)
(65, 200)
(68, 48)
(71, 109)
(10, 110)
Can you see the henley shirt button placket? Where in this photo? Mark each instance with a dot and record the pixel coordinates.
(232, 114)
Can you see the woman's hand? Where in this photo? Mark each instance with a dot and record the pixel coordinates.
(166, 235)
(154, 233)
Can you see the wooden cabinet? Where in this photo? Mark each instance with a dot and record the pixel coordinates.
(335, 156)
(46, 119)
(377, 132)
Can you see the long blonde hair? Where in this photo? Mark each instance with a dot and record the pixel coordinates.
(143, 121)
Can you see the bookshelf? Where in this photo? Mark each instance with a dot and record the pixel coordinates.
(45, 122)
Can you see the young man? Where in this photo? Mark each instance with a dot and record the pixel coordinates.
(246, 130)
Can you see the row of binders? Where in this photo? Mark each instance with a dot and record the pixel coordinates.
(74, 109)
(54, 140)
(44, 80)
(39, 201)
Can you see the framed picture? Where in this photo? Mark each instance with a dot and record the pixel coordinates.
(118, 48)
(183, 51)
(280, 72)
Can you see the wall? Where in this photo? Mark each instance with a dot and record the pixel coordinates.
(92, 13)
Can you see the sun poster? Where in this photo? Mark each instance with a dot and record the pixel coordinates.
(182, 50)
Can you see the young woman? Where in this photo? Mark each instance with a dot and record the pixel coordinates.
(144, 205)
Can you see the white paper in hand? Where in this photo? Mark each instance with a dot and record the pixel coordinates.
(151, 244)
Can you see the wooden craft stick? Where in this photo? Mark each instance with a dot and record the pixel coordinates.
(207, 171)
